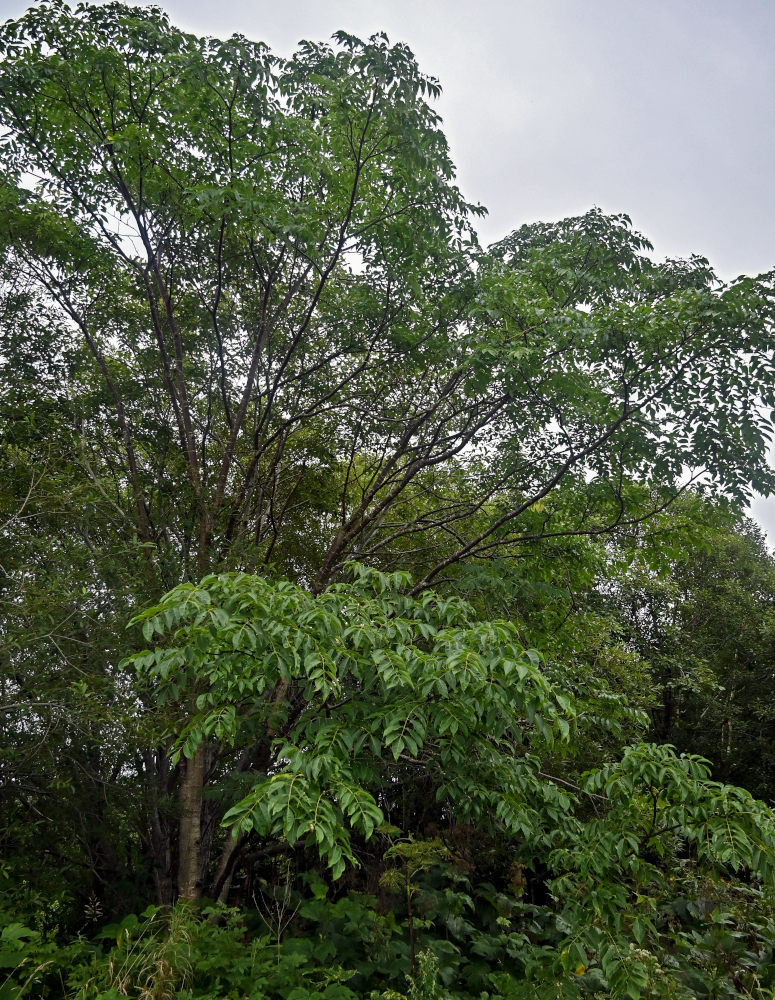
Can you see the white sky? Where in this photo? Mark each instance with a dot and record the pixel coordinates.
(663, 109)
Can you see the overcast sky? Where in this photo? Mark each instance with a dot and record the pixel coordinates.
(663, 109)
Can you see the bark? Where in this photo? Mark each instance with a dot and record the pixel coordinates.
(156, 832)
(229, 856)
(190, 860)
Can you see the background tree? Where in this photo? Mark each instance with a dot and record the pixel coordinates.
(704, 628)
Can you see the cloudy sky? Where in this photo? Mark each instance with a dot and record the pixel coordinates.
(663, 109)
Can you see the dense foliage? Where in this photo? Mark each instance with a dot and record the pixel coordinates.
(440, 599)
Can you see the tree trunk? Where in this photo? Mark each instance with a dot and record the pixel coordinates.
(190, 861)
(229, 855)
(157, 822)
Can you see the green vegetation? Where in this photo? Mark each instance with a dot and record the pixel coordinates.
(378, 613)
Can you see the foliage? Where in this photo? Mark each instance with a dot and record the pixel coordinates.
(705, 629)
(262, 388)
(687, 934)
(198, 211)
(342, 688)
(657, 825)
(176, 953)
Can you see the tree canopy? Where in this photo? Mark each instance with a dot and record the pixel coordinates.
(283, 310)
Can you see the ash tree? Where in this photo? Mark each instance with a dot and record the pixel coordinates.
(244, 298)
(303, 354)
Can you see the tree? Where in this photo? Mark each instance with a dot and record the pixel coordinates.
(704, 628)
(292, 353)
(68, 723)
(201, 209)
(325, 698)
(347, 692)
